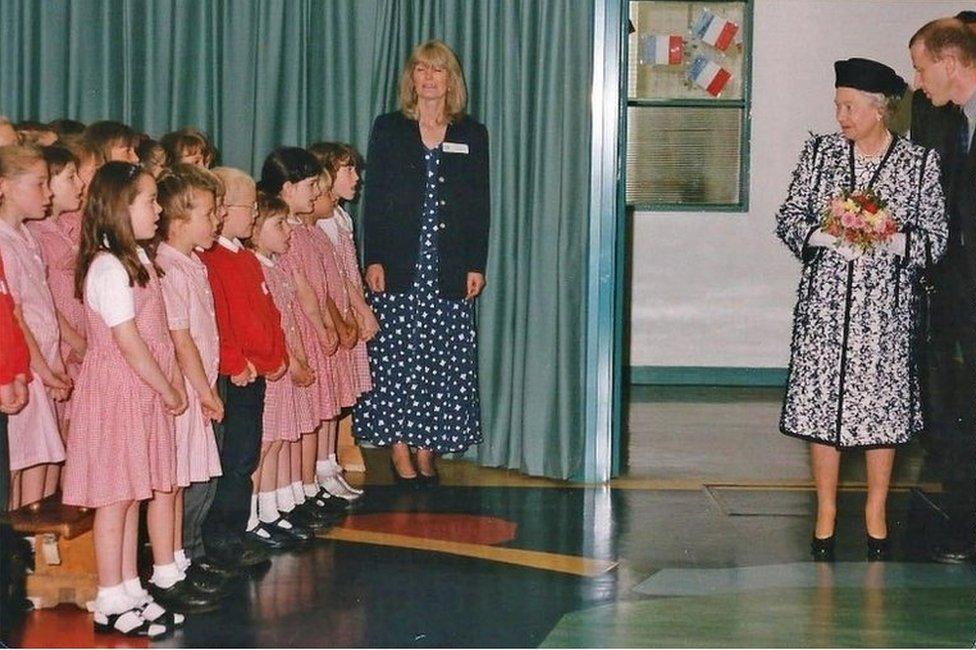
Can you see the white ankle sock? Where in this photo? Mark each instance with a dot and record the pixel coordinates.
(113, 600)
(252, 520)
(286, 499)
(133, 587)
(334, 462)
(310, 489)
(267, 506)
(323, 470)
(182, 560)
(166, 575)
(298, 492)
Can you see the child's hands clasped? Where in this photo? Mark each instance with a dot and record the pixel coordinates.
(301, 374)
(13, 396)
(212, 406)
(175, 400)
(244, 377)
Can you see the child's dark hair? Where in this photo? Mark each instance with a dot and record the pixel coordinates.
(186, 142)
(65, 127)
(147, 147)
(106, 226)
(175, 194)
(268, 206)
(287, 165)
(57, 158)
(105, 135)
(333, 155)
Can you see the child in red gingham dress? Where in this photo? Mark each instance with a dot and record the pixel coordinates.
(122, 447)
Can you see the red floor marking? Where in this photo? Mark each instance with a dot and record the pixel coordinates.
(66, 626)
(467, 529)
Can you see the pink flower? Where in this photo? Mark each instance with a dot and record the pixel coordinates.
(850, 220)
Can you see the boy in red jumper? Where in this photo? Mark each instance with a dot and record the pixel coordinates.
(14, 375)
(252, 349)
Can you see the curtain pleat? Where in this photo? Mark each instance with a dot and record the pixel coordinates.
(256, 74)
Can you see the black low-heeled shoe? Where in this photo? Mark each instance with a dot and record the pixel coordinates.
(428, 480)
(879, 550)
(407, 481)
(822, 550)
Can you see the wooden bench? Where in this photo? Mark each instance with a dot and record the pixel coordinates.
(64, 564)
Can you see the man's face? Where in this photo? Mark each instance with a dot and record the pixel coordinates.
(932, 76)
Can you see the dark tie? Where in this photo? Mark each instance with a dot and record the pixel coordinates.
(964, 136)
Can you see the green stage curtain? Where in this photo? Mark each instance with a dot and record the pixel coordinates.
(257, 74)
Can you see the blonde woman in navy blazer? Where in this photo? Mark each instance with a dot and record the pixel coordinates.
(426, 218)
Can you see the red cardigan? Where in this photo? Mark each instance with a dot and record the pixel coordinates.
(14, 356)
(248, 322)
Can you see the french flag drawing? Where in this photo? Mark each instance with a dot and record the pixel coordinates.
(662, 49)
(708, 75)
(714, 30)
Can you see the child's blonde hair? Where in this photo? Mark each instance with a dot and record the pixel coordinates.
(175, 194)
(234, 180)
(16, 159)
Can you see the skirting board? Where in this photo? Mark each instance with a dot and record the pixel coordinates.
(705, 376)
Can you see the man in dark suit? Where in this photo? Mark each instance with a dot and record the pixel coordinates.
(944, 118)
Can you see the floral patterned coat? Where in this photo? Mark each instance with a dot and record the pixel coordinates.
(853, 379)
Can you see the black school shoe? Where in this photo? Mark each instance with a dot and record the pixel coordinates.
(309, 516)
(183, 598)
(330, 504)
(206, 582)
(299, 533)
(269, 537)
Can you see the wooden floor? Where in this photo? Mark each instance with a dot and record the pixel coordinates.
(703, 542)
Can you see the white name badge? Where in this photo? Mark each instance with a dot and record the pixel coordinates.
(455, 147)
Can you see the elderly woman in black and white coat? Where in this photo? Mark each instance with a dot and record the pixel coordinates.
(852, 379)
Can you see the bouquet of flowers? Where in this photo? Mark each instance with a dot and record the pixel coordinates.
(859, 219)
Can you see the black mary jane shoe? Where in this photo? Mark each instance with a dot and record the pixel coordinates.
(308, 516)
(879, 550)
(130, 623)
(273, 539)
(822, 549)
(405, 481)
(296, 531)
(331, 507)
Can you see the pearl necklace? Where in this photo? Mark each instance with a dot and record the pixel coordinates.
(876, 154)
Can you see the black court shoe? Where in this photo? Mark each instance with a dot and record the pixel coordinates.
(879, 550)
(406, 481)
(428, 480)
(822, 550)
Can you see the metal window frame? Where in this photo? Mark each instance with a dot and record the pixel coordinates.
(745, 104)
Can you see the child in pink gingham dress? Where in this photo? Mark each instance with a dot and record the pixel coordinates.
(190, 306)
(58, 241)
(33, 432)
(122, 446)
(304, 257)
(347, 387)
(339, 230)
(288, 411)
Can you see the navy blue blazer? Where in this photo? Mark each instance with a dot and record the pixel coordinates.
(393, 200)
